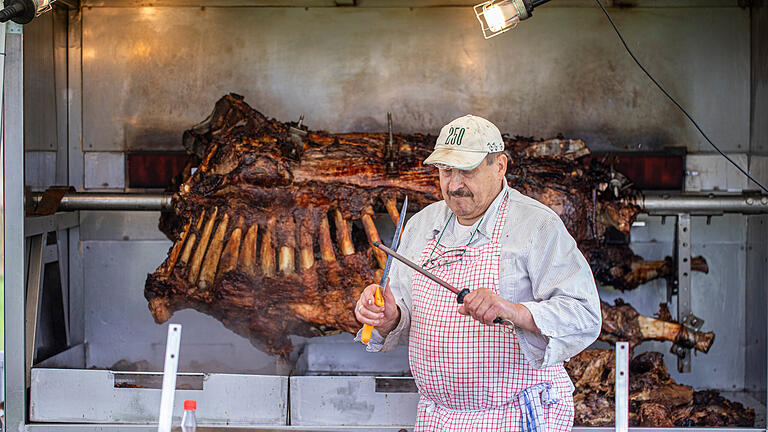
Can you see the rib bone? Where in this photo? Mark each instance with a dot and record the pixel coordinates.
(342, 232)
(197, 258)
(167, 268)
(326, 247)
(373, 236)
(287, 251)
(231, 251)
(391, 206)
(306, 256)
(286, 260)
(247, 262)
(211, 262)
(267, 250)
(191, 243)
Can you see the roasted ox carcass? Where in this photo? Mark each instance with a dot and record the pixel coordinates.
(272, 224)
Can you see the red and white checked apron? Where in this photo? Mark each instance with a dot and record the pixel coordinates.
(469, 373)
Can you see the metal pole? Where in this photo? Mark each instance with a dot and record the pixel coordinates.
(13, 228)
(652, 203)
(75, 171)
(169, 378)
(621, 390)
(710, 204)
(111, 201)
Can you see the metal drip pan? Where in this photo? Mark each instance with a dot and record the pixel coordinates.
(104, 396)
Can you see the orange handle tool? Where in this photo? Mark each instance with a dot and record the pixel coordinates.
(378, 298)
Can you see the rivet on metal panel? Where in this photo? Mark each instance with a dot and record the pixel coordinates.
(14, 28)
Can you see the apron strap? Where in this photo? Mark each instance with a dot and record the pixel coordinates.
(531, 402)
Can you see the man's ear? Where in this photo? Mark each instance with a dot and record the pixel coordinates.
(502, 161)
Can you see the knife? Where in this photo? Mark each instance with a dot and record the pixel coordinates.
(460, 294)
(378, 297)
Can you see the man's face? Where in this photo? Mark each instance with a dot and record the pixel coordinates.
(469, 193)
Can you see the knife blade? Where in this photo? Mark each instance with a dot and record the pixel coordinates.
(378, 296)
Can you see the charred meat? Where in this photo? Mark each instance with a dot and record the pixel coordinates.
(655, 399)
(272, 223)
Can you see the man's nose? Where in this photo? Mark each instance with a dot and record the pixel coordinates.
(455, 182)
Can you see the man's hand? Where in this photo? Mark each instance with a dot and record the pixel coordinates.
(485, 305)
(384, 318)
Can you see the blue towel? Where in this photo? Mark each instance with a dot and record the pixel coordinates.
(531, 402)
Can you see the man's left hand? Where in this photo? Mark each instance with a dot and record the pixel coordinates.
(485, 305)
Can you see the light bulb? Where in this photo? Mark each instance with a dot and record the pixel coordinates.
(495, 18)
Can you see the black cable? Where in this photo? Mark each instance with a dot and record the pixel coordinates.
(11, 11)
(675, 102)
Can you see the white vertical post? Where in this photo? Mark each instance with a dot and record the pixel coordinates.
(169, 378)
(621, 390)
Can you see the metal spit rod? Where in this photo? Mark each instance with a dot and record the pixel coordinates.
(703, 204)
(652, 203)
(111, 201)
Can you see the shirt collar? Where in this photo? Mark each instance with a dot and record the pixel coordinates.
(489, 219)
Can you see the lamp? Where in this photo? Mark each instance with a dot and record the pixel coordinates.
(498, 16)
(23, 11)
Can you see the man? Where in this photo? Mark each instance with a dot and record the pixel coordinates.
(520, 264)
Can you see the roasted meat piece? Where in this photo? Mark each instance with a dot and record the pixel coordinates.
(655, 399)
(622, 322)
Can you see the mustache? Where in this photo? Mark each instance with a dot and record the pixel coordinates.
(461, 193)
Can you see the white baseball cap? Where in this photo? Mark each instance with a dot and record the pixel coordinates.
(464, 143)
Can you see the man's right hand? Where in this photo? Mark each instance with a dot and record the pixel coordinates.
(384, 318)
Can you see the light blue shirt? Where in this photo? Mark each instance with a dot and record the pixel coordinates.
(541, 268)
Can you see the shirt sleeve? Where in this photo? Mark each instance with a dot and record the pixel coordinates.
(566, 307)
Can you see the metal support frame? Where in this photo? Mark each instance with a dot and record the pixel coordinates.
(54, 222)
(74, 91)
(13, 229)
(681, 287)
(38, 253)
(24, 270)
(33, 282)
(683, 264)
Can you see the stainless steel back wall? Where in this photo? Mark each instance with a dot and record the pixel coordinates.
(149, 73)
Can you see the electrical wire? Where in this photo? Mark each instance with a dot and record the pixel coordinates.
(674, 101)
